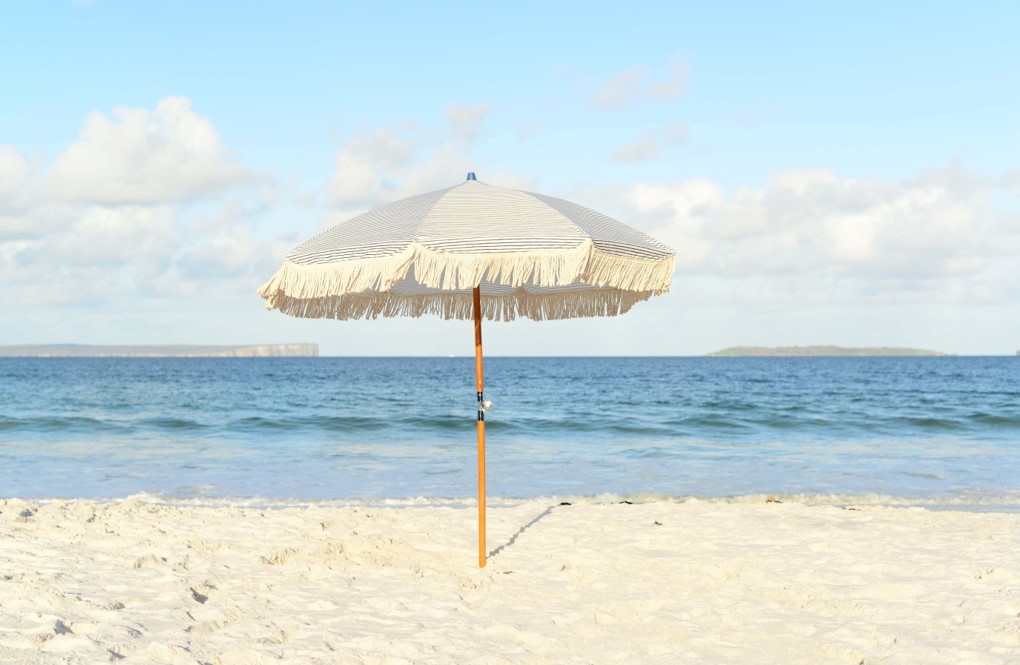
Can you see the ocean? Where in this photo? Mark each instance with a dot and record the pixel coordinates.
(926, 429)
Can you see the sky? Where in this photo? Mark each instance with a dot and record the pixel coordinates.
(827, 174)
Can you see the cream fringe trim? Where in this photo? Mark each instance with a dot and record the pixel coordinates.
(561, 305)
(341, 290)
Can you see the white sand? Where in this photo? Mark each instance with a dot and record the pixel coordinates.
(712, 582)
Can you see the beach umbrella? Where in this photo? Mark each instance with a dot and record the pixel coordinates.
(472, 251)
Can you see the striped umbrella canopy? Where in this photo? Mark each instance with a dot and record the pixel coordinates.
(472, 251)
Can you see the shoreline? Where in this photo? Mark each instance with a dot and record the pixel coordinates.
(1006, 501)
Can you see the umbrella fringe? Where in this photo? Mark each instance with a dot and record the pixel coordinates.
(585, 264)
(562, 305)
(312, 280)
(607, 270)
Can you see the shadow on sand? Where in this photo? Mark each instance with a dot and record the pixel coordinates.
(513, 538)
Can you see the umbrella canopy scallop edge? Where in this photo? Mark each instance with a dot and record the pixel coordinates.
(532, 255)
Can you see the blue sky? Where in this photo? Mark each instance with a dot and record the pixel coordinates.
(828, 174)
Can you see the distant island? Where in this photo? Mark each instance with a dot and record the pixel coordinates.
(159, 351)
(785, 351)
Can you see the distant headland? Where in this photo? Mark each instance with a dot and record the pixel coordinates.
(159, 351)
(785, 351)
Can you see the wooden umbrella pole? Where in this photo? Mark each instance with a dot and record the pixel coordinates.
(481, 427)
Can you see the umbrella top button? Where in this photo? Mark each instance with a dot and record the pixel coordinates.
(471, 176)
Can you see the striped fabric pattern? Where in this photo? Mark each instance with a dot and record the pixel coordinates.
(533, 255)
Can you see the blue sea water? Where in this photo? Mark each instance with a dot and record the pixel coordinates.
(343, 428)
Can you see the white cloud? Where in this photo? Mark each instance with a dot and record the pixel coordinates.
(644, 149)
(140, 156)
(465, 120)
(650, 144)
(637, 83)
(936, 233)
(16, 180)
(812, 257)
(621, 89)
(104, 253)
(363, 164)
(117, 212)
(1011, 181)
(382, 165)
(673, 84)
(232, 252)
(811, 253)
(103, 235)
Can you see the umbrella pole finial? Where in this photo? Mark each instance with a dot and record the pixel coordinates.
(480, 385)
(471, 175)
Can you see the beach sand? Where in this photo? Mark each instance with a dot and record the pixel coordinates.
(744, 581)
